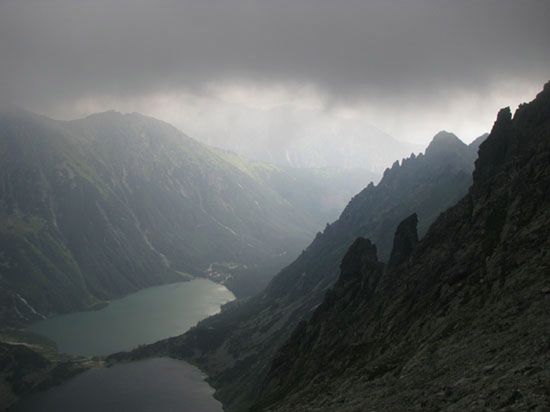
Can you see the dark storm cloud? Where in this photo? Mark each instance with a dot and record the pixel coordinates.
(57, 51)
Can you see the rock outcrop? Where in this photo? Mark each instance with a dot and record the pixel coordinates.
(404, 240)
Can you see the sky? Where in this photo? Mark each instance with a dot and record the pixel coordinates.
(409, 68)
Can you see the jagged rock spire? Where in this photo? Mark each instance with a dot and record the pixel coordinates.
(361, 254)
(404, 241)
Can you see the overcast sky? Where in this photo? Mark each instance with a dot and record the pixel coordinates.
(409, 67)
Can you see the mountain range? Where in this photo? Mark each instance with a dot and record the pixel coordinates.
(456, 321)
(95, 208)
(237, 347)
(429, 292)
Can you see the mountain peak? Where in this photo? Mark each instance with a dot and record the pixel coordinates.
(116, 115)
(445, 142)
(444, 135)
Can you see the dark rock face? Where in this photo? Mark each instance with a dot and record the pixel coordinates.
(236, 347)
(462, 324)
(404, 240)
(361, 254)
(477, 141)
(494, 154)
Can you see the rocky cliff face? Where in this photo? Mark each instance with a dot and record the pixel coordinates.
(99, 207)
(235, 348)
(458, 322)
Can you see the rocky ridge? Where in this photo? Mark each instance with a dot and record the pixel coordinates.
(460, 321)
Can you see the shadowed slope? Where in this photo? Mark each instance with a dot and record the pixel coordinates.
(462, 323)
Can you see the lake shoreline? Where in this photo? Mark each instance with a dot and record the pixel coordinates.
(178, 304)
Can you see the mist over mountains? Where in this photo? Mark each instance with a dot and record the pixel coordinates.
(460, 321)
(434, 277)
(99, 207)
(306, 138)
(274, 206)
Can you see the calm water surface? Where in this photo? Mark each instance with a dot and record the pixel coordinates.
(143, 317)
(152, 385)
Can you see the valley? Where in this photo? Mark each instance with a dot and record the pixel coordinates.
(274, 206)
(459, 309)
(432, 180)
(258, 352)
(96, 208)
